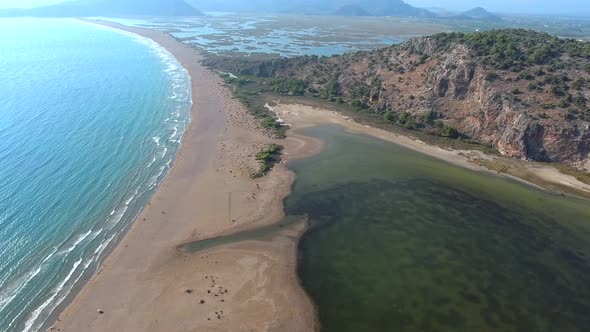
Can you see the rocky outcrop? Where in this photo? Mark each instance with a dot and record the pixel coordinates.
(524, 107)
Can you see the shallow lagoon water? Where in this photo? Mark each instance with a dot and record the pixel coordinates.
(399, 241)
(402, 242)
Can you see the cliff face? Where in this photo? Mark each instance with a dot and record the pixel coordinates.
(524, 93)
(503, 112)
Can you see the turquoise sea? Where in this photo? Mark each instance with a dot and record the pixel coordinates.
(90, 121)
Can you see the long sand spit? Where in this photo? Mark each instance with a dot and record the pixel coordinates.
(147, 284)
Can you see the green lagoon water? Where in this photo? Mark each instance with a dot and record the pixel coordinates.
(399, 241)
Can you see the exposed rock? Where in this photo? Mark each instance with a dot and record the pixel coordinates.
(522, 92)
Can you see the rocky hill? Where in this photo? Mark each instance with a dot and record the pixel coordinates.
(523, 92)
(479, 13)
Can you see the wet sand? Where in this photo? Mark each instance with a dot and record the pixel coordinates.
(147, 284)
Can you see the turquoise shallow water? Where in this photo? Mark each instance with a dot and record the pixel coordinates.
(90, 121)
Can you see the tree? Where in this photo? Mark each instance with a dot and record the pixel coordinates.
(449, 132)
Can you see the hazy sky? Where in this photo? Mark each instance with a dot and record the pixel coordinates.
(511, 6)
(26, 3)
(515, 6)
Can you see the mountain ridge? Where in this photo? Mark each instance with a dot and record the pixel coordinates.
(107, 8)
(331, 7)
(479, 13)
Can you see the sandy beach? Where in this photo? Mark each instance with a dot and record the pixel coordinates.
(147, 284)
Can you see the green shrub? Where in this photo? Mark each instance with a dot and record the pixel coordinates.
(267, 158)
(449, 132)
(390, 116)
(359, 104)
(578, 84)
(540, 72)
(404, 117)
(560, 89)
(288, 86)
(580, 101)
(525, 75)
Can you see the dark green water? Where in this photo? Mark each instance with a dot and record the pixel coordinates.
(403, 242)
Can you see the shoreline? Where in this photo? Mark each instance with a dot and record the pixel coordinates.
(146, 284)
(542, 177)
(87, 276)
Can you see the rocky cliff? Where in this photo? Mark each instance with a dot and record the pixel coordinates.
(523, 92)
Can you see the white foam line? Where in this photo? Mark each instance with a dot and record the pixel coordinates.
(130, 199)
(21, 283)
(35, 314)
(174, 134)
(76, 242)
(65, 294)
(151, 162)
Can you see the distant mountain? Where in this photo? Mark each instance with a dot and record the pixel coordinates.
(351, 10)
(113, 8)
(443, 12)
(395, 8)
(479, 13)
(340, 7)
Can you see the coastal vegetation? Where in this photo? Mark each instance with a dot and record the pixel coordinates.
(249, 93)
(518, 49)
(288, 86)
(267, 158)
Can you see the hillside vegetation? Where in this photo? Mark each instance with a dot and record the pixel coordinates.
(522, 92)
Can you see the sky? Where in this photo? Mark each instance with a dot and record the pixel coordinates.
(26, 3)
(502, 6)
(511, 6)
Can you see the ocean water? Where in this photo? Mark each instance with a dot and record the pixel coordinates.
(90, 121)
